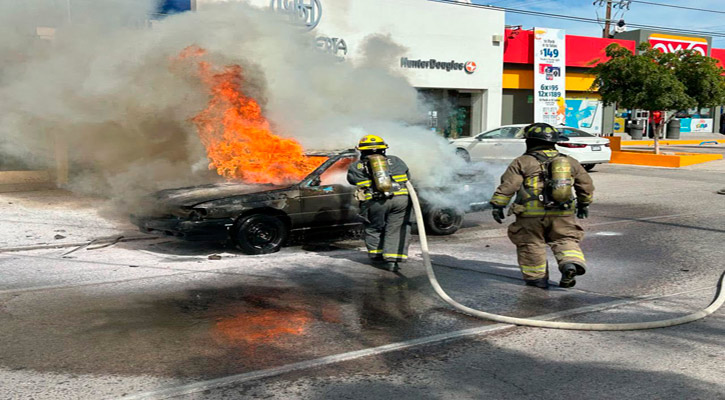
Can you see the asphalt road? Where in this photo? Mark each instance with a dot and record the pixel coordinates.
(159, 318)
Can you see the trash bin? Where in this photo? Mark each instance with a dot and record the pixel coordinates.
(636, 129)
(673, 129)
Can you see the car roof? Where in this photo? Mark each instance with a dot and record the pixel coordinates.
(522, 125)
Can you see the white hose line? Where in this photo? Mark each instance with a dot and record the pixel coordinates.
(631, 326)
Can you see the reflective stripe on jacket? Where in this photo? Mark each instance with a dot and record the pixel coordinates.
(358, 175)
(523, 178)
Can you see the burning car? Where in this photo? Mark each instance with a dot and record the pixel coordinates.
(259, 218)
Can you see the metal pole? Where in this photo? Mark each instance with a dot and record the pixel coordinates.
(605, 33)
(68, 7)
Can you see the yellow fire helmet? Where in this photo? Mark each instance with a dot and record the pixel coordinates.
(371, 142)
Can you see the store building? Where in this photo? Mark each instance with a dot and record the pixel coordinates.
(696, 120)
(454, 53)
(583, 106)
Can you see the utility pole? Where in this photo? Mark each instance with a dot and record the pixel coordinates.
(605, 33)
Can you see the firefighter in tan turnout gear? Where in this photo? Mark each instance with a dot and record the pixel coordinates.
(542, 180)
(384, 202)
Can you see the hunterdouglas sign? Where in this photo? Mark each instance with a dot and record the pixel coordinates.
(469, 66)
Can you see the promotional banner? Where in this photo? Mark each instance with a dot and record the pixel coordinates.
(702, 125)
(696, 125)
(585, 114)
(549, 76)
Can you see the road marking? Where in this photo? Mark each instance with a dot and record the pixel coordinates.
(184, 389)
(606, 233)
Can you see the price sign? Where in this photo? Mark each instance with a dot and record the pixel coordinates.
(549, 76)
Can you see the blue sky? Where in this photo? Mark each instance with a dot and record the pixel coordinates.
(644, 14)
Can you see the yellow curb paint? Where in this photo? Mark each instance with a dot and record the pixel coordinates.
(665, 142)
(675, 160)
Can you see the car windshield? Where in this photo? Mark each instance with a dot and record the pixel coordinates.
(336, 174)
(505, 132)
(571, 132)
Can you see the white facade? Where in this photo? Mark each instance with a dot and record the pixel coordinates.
(429, 31)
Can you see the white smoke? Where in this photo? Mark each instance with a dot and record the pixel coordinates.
(105, 84)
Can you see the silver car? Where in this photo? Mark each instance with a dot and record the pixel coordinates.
(507, 142)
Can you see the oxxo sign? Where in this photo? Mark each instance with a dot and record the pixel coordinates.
(671, 44)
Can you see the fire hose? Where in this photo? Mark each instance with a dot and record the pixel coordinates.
(716, 303)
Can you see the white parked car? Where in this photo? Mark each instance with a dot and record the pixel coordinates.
(507, 142)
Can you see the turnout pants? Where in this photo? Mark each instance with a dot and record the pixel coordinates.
(387, 235)
(532, 234)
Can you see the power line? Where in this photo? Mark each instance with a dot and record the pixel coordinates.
(597, 21)
(676, 6)
(583, 19)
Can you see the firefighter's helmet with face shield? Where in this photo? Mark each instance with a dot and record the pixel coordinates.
(371, 142)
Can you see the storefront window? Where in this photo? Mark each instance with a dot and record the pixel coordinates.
(449, 111)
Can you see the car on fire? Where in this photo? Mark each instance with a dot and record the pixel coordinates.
(507, 142)
(259, 218)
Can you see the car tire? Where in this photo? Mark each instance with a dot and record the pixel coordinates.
(463, 153)
(589, 167)
(442, 221)
(260, 234)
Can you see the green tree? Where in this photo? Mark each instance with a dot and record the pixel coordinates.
(651, 80)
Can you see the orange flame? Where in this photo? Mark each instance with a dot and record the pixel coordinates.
(238, 138)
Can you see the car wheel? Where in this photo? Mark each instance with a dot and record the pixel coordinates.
(260, 234)
(463, 154)
(588, 167)
(443, 221)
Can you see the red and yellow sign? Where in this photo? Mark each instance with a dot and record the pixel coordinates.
(671, 43)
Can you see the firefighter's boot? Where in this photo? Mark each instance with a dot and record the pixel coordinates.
(392, 266)
(568, 273)
(542, 283)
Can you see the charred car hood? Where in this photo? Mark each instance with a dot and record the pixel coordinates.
(193, 195)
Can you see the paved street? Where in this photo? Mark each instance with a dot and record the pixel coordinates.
(161, 318)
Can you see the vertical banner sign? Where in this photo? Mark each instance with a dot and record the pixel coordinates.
(549, 76)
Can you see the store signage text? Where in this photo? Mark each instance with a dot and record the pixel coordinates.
(551, 91)
(304, 12)
(671, 44)
(469, 66)
(334, 46)
(549, 76)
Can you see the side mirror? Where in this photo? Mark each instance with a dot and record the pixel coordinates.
(315, 181)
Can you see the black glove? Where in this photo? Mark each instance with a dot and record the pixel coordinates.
(582, 211)
(497, 213)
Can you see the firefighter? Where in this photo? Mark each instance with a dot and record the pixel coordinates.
(384, 202)
(542, 180)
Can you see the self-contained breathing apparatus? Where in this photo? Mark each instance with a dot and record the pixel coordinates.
(557, 181)
(555, 174)
(377, 167)
(380, 174)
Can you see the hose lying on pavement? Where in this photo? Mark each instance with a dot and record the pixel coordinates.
(631, 326)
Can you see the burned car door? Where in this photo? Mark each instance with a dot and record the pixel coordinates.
(328, 199)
